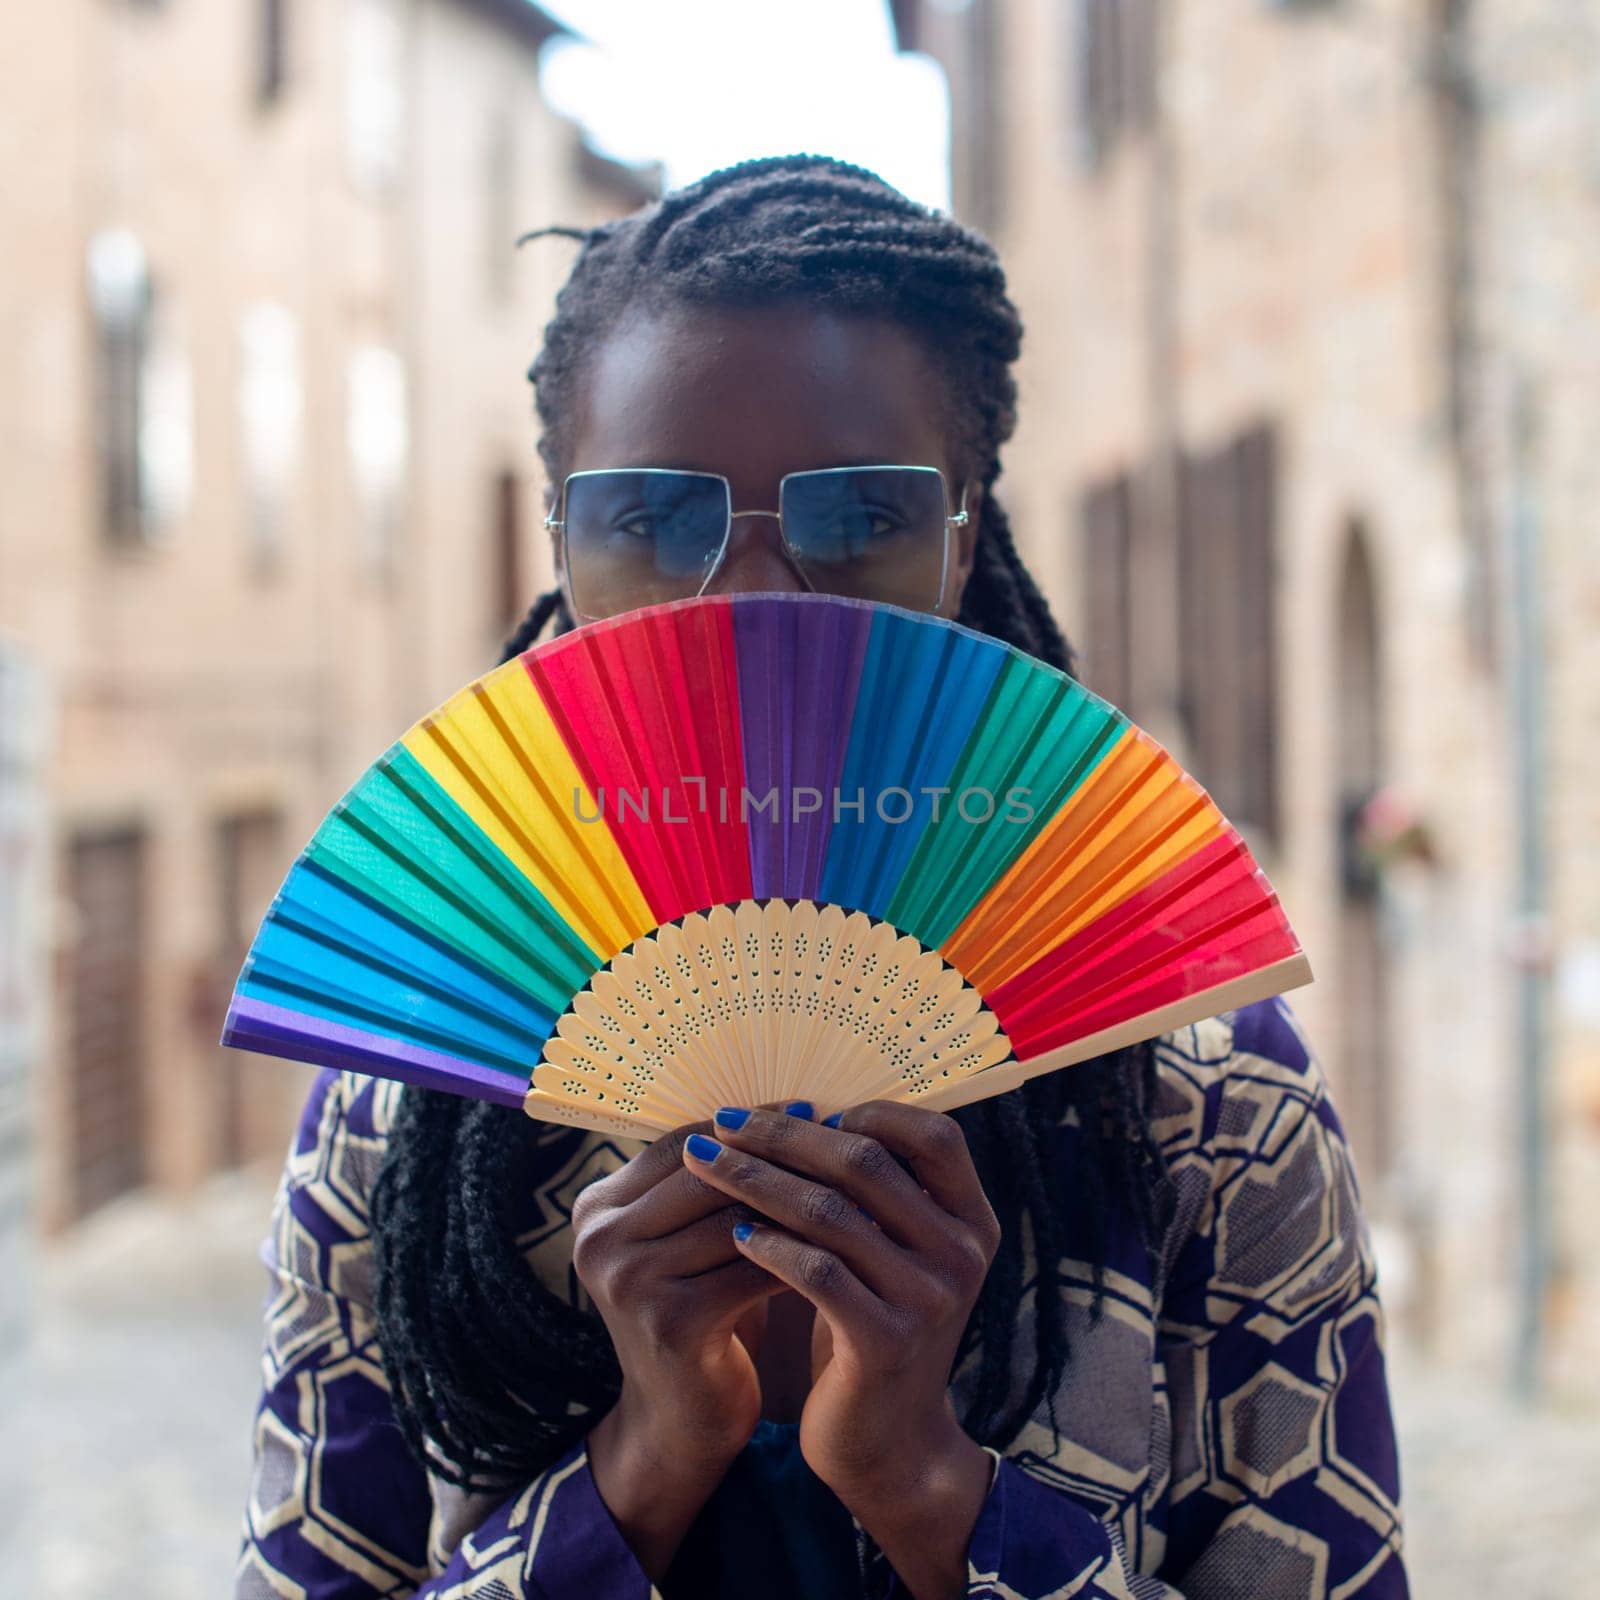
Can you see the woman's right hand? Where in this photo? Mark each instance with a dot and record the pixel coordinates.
(653, 1247)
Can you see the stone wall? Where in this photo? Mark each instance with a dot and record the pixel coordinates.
(218, 693)
(1293, 235)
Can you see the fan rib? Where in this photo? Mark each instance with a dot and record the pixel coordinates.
(1290, 973)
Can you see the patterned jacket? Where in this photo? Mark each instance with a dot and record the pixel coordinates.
(1224, 1426)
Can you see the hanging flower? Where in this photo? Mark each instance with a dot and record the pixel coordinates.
(1390, 829)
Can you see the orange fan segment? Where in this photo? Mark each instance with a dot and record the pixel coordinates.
(1136, 817)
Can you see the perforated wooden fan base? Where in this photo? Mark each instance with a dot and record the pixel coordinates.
(759, 1002)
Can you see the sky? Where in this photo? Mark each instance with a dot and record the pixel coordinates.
(701, 84)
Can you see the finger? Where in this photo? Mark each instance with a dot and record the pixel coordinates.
(853, 1163)
(685, 1197)
(936, 1147)
(675, 1203)
(727, 1291)
(659, 1159)
(704, 1244)
(820, 1214)
(676, 1312)
(818, 1274)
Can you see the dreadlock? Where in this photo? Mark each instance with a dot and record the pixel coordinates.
(494, 1375)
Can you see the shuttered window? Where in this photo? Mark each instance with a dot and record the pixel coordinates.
(507, 602)
(1107, 544)
(1228, 644)
(1113, 44)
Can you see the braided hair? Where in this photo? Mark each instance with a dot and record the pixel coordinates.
(494, 1375)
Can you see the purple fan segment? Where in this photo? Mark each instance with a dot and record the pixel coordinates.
(277, 1031)
(799, 668)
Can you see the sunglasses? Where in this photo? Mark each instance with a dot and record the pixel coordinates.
(638, 536)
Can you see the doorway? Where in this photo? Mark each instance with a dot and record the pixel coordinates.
(1365, 1052)
(107, 973)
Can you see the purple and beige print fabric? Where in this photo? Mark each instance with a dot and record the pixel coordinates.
(1224, 1424)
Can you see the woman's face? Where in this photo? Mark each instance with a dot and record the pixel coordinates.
(754, 393)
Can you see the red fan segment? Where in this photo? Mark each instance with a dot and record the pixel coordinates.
(660, 749)
(1205, 921)
(1136, 817)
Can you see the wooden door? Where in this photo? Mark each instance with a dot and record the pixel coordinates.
(107, 973)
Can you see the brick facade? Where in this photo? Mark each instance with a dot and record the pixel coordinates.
(1361, 227)
(220, 682)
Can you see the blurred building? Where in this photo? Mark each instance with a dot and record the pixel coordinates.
(1308, 401)
(271, 486)
(25, 734)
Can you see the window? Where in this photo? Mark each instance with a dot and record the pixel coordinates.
(1457, 106)
(26, 741)
(144, 403)
(272, 50)
(249, 861)
(270, 409)
(1114, 44)
(987, 170)
(378, 436)
(1106, 517)
(1363, 1062)
(500, 203)
(1227, 612)
(374, 94)
(507, 604)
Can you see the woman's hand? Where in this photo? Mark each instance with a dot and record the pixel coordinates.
(653, 1245)
(893, 1262)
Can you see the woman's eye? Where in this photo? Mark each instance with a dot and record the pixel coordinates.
(880, 521)
(640, 526)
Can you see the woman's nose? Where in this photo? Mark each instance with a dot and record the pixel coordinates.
(756, 561)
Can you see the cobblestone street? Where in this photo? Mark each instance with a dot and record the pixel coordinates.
(135, 1429)
(136, 1419)
(1498, 1501)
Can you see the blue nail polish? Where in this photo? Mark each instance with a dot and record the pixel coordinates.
(731, 1116)
(801, 1108)
(743, 1230)
(702, 1148)
(833, 1121)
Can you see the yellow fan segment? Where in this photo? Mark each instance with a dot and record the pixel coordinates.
(753, 1003)
(495, 750)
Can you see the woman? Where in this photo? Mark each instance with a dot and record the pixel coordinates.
(1112, 1334)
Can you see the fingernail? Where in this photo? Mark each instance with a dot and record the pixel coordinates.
(702, 1148)
(801, 1108)
(743, 1230)
(833, 1121)
(731, 1116)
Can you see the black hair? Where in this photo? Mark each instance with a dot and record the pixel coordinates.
(493, 1374)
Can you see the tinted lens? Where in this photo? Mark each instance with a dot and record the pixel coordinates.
(873, 533)
(636, 538)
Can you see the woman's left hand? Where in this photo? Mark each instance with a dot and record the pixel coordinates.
(894, 1264)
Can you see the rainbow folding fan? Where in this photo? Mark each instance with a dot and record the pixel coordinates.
(751, 848)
